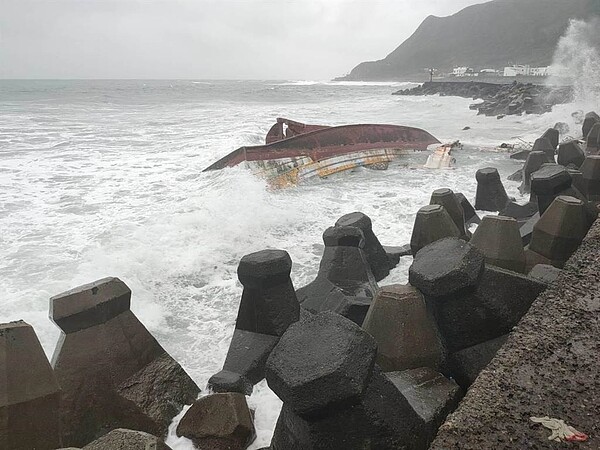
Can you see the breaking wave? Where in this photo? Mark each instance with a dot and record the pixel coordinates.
(577, 59)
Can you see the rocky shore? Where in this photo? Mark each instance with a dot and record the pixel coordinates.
(498, 99)
(357, 365)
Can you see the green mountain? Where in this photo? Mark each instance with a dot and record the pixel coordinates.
(488, 35)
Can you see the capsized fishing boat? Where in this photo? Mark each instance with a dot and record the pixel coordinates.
(294, 152)
(442, 157)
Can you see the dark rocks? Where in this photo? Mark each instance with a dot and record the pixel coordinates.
(559, 232)
(491, 195)
(122, 439)
(218, 422)
(431, 395)
(499, 99)
(245, 362)
(446, 266)
(570, 153)
(590, 171)
(29, 392)
(344, 279)
(466, 364)
(334, 397)
(491, 309)
(321, 362)
(498, 238)
(431, 224)
(447, 199)
(269, 304)
(544, 145)
(544, 273)
(406, 334)
(534, 162)
(112, 372)
(375, 253)
(471, 216)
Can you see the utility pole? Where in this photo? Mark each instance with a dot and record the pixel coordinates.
(431, 75)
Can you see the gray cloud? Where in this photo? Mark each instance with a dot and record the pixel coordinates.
(260, 39)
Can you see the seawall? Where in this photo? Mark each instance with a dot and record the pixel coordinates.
(549, 366)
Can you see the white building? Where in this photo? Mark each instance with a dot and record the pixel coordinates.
(463, 72)
(525, 70)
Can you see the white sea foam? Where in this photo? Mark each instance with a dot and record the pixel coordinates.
(104, 179)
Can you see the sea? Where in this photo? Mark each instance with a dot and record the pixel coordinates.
(104, 178)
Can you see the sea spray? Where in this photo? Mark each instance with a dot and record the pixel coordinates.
(577, 59)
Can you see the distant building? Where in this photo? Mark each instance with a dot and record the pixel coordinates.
(525, 70)
(463, 72)
(488, 72)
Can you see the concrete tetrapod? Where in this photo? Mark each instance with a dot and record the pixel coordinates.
(334, 397)
(559, 232)
(544, 145)
(590, 172)
(470, 216)
(570, 153)
(374, 251)
(406, 334)
(590, 120)
(446, 198)
(111, 371)
(29, 392)
(552, 136)
(490, 195)
(269, 304)
(123, 439)
(431, 224)
(593, 140)
(344, 283)
(499, 240)
(534, 162)
(548, 183)
(218, 422)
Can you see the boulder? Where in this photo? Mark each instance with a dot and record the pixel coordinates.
(431, 224)
(544, 273)
(446, 266)
(111, 371)
(431, 395)
(534, 162)
(320, 362)
(570, 153)
(470, 214)
(465, 365)
(498, 238)
(446, 198)
(593, 140)
(552, 136)
(334, 396)
(269, 304)
(29, 392)
(590, 174)
(471, 316)
(548, 183)
(245, 362)
(543, 145)
(122, 439)
(344, 275)
(559, 231)
(405, 332)
(491, 195)
(374, 252)
(590, 120)
(218, 422)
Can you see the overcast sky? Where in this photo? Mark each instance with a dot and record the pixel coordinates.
(228, 39)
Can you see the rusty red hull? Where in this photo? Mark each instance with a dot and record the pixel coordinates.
(329, 142)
